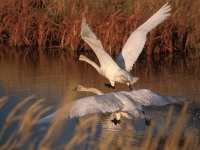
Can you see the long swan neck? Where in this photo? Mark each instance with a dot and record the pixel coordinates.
(93, 90)
(83, 58)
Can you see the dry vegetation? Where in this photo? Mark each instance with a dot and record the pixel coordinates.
(22, 137)
(56, 23)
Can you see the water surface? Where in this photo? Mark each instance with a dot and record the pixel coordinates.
(53, 74)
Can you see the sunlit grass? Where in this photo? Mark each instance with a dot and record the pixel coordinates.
(57, 23)
(166, 138)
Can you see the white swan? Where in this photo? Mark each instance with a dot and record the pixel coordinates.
(126, 104)
(119, 71)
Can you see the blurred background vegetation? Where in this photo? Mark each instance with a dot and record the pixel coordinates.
(56, 23)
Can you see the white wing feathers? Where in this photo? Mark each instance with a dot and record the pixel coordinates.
(92, 104)
(156, 19)
(90, 38)
(128, 102)
(136, 41)
(145, 97)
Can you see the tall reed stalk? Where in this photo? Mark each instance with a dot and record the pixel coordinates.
(57, 23)
(26, 133)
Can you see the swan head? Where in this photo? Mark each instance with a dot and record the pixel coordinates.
(79, 88)
(82, 57)
(126, 77)
(134, 79)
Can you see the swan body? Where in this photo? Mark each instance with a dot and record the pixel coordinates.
(126, 104)
(113, 74)
(118, 71)
(118, 114)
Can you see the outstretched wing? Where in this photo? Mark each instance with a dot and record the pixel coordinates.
(90, 38)
(88, 105)
(145, 97)
(135, 43)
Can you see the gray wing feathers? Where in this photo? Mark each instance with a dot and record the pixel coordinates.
(136, 41)
(86, 31)
(148, 97)
(131, 50)
(90, 38)
(92, 104)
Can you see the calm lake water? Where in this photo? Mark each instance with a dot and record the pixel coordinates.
(52, 75)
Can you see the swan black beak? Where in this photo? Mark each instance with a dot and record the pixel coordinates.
(77, 58)
(75, 89)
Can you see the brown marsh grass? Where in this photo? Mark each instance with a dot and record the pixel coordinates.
(57, 23)
(166, 138)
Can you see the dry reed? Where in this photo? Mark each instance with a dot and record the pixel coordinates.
(173, 139)
(57, 24)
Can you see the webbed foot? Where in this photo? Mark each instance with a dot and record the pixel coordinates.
(115, 121)
(109, 85)
(130, 87)
(147, 122)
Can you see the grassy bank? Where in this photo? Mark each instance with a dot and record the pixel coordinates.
(56, 23)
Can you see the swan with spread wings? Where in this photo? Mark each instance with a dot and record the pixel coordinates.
(118, 71)
(123, 103)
